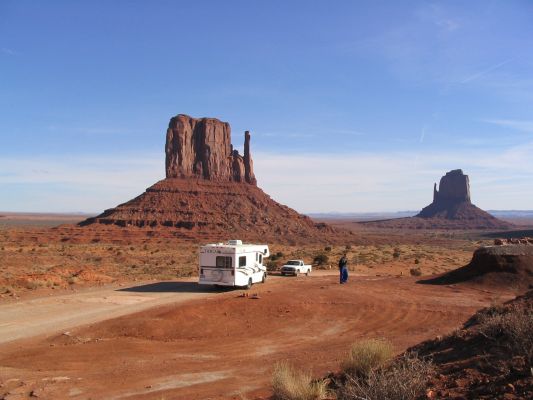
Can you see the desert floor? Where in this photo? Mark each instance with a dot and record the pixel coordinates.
(116, 315)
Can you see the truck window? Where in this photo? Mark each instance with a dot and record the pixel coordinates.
(242, 261)
(224, 262)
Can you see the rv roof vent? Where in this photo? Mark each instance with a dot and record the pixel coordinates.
(234, 242)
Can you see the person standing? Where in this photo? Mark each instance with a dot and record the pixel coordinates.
(343, 269)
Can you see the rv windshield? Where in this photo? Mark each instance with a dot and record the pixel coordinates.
(293, 262)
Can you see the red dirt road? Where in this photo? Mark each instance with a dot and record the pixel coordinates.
(223, 346)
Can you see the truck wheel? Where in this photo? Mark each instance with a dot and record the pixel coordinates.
(308, 273)
(249, 284)
(264, 277)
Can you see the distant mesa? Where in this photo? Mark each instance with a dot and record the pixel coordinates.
(210, 192)
(451, 208)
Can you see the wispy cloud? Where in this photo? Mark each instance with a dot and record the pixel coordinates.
(312, 132)
(86, 183)
(93, 130)
(391, 181)
(8, 51)
(308, 182)
(519, 125)
(438, 16)
(423, 133)
(486, 71)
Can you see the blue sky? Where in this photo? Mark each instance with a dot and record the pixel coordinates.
(353, 106)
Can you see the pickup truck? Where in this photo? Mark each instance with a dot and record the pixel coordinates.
(296, 267)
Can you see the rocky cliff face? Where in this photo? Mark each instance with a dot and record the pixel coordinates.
(201, 148)
(454, 187)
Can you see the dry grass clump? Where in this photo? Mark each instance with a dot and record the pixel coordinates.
(510, 328)
(415, 271)
(404, 379)
(367, 355)
(289, 383)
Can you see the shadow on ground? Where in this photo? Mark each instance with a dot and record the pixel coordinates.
(510, 234)
(177, 287)
(458, 275)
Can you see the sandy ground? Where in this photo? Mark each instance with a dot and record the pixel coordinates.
(197, 344)
(56, 314)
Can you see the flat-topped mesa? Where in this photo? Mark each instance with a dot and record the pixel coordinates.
(454, 187)
(201, 148)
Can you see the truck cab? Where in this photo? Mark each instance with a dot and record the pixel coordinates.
(296, 267)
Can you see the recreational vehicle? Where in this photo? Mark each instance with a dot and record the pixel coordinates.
(232, 264)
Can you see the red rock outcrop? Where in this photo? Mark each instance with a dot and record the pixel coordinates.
(451, 209)
(201, 148)
(452, 202)
(210, 193)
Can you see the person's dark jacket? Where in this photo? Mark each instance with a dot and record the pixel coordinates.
(343, 262)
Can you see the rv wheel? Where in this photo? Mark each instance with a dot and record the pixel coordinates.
(264, 277)
(249, 284)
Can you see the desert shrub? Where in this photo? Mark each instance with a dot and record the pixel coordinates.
(272, 265)
(405, 379)
(327, 248)
(72, 280)
(397, 253)
(321, 259)
(510, 328)
(348, 247)
(417, 261)
(415, 271)
(367, 355)
(276, 256)
(289, 383)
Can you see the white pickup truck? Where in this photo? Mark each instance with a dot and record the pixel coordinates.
(296, 267)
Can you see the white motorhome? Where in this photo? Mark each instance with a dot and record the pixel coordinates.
(232, 264)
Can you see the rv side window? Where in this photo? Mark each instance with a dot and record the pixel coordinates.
(260, 258)
(242, 261)
(223, 262)
(256, 256)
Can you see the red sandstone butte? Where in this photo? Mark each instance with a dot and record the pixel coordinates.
(210, 192)
(201, 148)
